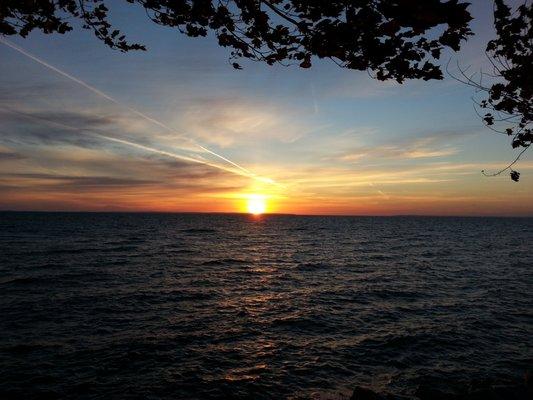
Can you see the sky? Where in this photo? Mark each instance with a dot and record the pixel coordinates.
(176, 128)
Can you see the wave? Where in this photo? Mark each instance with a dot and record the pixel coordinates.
(198, 230)
(225, 261)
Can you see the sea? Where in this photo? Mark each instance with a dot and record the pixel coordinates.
(228, 306)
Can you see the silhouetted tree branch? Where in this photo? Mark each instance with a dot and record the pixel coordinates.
(393, 39)
(508, 105)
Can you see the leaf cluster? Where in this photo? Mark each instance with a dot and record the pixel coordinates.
(510, 99)
(392, 39)
(508, 102)
(511, 54)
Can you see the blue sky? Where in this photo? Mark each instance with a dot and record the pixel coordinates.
(335, 141)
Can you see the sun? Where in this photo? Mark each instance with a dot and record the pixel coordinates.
(256, 204)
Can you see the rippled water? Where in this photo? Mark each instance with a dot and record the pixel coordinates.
(185, 306)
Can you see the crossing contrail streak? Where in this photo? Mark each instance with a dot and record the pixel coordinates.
(141, 146)
(133, 110)
(174, 155)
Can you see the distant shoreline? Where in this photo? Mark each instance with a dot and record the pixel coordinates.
(264, 215)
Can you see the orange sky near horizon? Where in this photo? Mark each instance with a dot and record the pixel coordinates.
(463, 193)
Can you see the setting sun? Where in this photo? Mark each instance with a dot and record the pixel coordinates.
(256, 204)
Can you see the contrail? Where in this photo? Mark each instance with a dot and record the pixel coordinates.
(133, 110)
(185, 158)
(176, 156)
(142, 147)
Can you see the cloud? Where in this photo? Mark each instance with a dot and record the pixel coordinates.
(428, 146)
(56, 160)
(18, 93)
(52, 128)
(7, 154)
(78, 182)
(69, 160)
(233, 121)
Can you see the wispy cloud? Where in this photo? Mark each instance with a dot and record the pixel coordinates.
(70, 178)
(237, 121)
(7, 154)
(432, 145)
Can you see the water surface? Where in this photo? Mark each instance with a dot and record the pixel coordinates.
(200, 306)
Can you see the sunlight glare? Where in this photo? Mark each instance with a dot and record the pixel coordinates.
(256, 204)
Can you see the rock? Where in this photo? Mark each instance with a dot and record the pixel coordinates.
(361, 393)
(528, 382)
(426, 393)
(519, 392)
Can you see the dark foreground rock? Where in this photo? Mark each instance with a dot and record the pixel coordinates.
(492, 393)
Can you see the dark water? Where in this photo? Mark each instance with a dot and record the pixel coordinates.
(229, 307)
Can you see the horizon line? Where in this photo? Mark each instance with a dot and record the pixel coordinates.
(268, 214)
